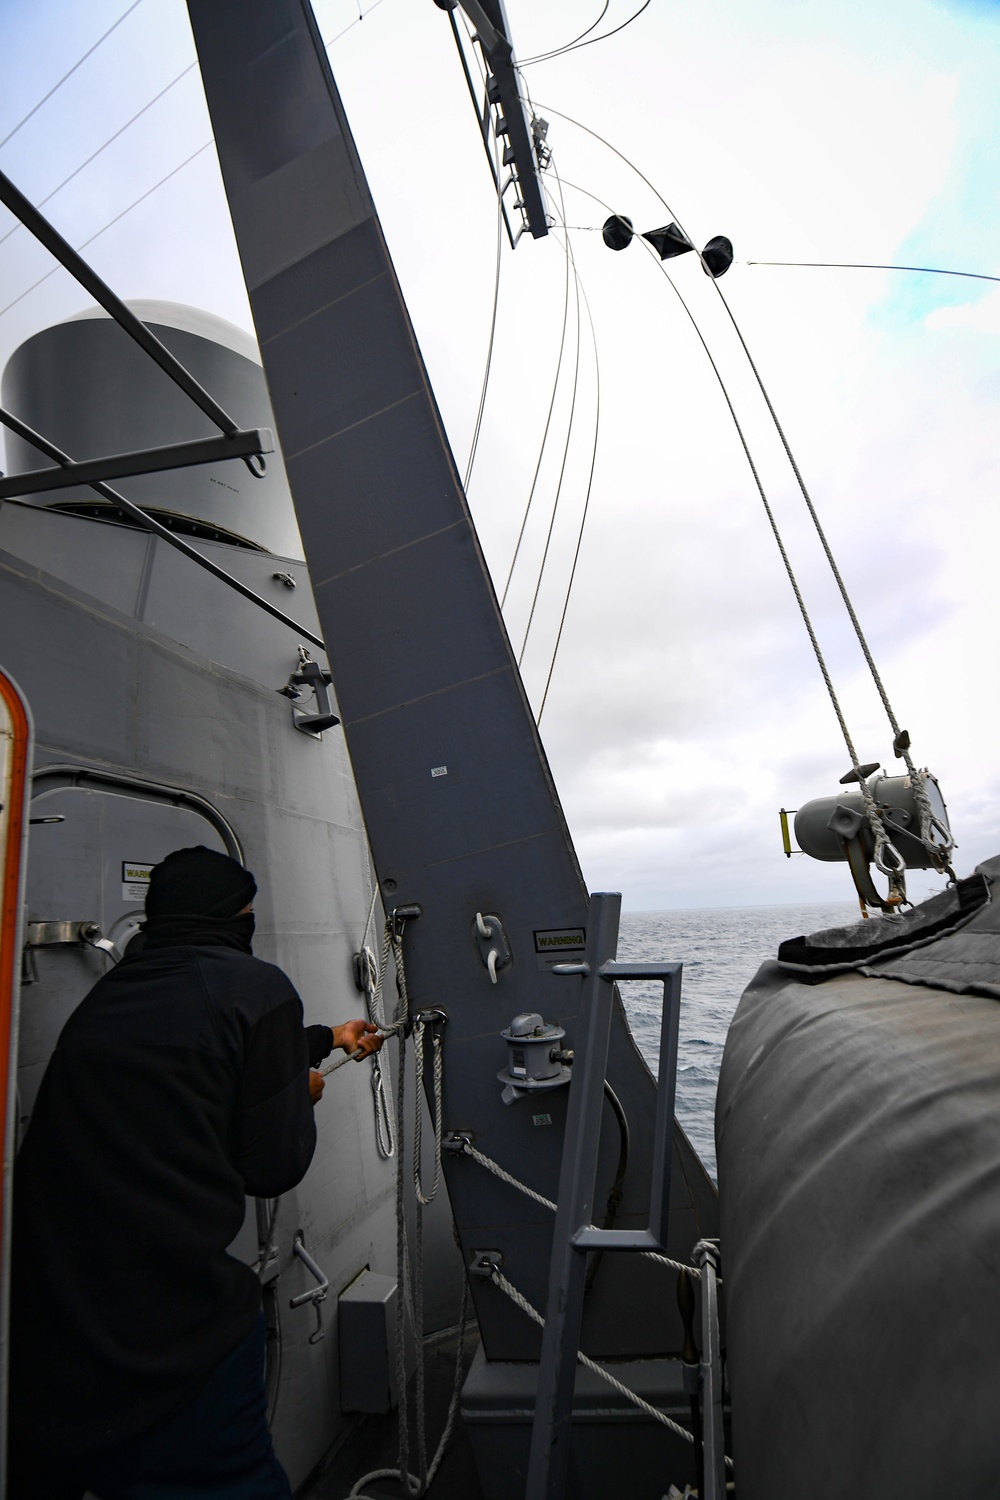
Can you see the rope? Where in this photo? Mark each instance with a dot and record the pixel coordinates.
(385, 1138)
(498, 1171)
(456, 1389)
(500, 1280)
(410, 1288)
(522, 1187)
(419, 1031)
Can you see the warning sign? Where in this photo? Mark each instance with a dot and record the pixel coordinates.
(135, 879)
(559, 946)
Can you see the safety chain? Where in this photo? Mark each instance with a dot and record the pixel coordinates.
(468, 1149)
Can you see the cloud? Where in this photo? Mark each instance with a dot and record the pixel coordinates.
(981, 316)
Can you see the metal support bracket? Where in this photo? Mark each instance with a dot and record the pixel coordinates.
(483, 1263)
(310, 675)
(80, 934)
(316, 1294)
(78, 268)
(240, 444)
(494, 949)
(400, 915)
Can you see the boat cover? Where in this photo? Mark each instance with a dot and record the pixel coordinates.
(858, 1129)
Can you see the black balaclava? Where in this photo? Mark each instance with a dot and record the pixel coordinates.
(197, 896)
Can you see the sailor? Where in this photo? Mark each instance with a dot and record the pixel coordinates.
(182, 1082)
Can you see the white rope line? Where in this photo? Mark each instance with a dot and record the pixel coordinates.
(500, 1280)
(385, 1138)
(498, 1171)
(410, 1282)
(491, 1166)
(419, 1031)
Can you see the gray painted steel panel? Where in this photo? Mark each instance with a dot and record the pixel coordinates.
(108, 690)
(423, 669)
(144, 578)
(89, 389)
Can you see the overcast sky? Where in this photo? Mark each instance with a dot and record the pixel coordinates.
(685, 706)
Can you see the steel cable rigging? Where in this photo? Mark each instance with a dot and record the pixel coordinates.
(584, 513)
(562, 468)
(477, 429)
(575, 46)
(568, 46)
(847, 265)
(110, 141)
(545, 435)
(935, 837)
(110, 224)
(56, 86)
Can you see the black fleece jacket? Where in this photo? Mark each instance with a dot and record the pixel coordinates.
(178, 1085)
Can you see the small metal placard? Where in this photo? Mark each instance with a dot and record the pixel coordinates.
(135, 879)
(557, 944)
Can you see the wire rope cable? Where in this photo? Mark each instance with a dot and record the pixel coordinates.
(874, 819)
(562, 467)
(586, 501)
(545, 436)
(110, 224)
(851, 265)
(932, 829)
(110, 140)
(79, 62)
(568, 46)
(559, 484)
(477, 429)
(362, 14)
(887, 857)
(575, 46)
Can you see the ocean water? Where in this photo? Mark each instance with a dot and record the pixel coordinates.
(721, 949)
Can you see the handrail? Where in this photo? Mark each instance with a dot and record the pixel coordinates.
(53, 778)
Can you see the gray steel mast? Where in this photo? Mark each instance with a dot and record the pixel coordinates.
(460, 807)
